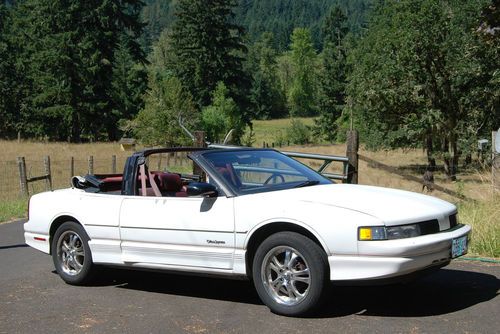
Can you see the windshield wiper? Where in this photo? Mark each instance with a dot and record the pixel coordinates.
(307, 183)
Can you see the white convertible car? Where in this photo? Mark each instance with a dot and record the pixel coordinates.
(253, 213)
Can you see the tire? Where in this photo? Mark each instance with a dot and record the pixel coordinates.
(71, 254)
(290, 274)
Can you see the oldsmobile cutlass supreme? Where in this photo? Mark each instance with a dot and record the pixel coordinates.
(253, 213)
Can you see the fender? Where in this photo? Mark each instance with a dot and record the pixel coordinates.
(285, 220)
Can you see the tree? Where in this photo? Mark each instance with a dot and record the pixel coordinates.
(285, 71)
(301, 98)
(68, 60)
(414, 77)
(219, 117)
(209, 49)
(488, 49)
(332, 80)
(7, 77)
(266, 94)
(258, 16)
(128, 87)
(164, 102)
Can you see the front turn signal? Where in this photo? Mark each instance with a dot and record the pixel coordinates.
(372, 233)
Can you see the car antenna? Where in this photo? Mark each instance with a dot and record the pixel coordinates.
(228, 137)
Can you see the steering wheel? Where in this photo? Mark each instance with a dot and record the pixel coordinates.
(273, 177)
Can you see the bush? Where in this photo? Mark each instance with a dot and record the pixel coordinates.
(215, 123)
(219, 117)
(298, 133)
(248, 138)
(157, 123)
(280, 139)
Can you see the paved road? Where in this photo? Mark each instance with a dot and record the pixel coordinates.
(461, 298)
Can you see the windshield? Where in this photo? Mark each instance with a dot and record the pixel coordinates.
(252, 171)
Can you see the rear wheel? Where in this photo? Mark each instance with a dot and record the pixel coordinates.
(290, 273)
(71, 254)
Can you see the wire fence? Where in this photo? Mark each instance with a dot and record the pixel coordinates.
(61, 173)
(62, 170)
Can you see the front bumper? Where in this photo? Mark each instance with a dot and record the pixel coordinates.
(392, 258)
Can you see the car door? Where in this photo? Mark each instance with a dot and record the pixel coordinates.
(100, 215)
(178, 231)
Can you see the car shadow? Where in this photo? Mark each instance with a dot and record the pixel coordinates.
(14, 246)
(444, 291)
(207, 287)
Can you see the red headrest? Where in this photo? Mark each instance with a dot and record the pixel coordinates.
(169, 182)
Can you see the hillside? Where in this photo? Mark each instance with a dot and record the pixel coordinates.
(257, 16)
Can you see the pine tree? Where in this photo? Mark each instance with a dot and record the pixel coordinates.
(332, 80)
(165, 101)
(266, 95)
(68, 59)
(209, 49)
(128, 86)
(7, 77)
(157, 122)
(258, 16)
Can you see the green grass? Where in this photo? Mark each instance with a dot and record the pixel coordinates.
(11, 209)
(270, 130)
(484, 217)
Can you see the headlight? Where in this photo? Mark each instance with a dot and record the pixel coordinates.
(388, 233)
(403, 231)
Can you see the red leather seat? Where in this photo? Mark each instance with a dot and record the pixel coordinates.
(170, 184)
(112, 183)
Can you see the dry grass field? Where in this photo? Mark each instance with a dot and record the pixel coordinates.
(60, 155)
(11, 205)
(270, 130)
(472, 192)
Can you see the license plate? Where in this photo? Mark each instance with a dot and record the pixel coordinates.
(459, 246)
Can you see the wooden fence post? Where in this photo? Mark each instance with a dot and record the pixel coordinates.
(113, 164)
(495, 162)
(48, 174)
(23, 182)
(199, 142)
(72, 167)
(352, 154)
(160, 158)
(91, 164)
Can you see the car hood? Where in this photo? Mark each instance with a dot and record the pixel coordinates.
(391, 206)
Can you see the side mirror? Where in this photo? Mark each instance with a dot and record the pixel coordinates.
(201, 189)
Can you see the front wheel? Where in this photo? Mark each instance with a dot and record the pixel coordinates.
(290, 273)
(71, 254)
